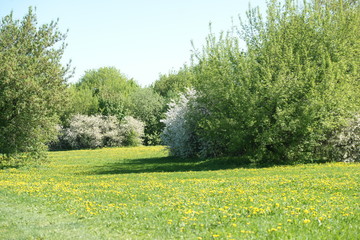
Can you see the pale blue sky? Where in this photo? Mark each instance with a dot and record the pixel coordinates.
(141, 38)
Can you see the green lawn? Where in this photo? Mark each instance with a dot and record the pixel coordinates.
(141, 193)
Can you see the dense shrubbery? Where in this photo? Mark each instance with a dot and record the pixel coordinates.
(279, 100)
(99, 131)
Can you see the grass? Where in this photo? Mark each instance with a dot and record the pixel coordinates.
(141, 193)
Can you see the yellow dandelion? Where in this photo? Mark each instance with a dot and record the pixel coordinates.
(307, 221)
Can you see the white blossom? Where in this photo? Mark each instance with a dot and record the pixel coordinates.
(179, 132)
(100, 131)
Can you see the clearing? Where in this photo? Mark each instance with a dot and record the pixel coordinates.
(142, 193)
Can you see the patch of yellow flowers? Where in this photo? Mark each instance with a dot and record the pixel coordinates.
(223, 204)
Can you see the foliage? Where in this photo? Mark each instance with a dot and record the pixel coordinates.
(82, 101)
(132, 131)
(103, 91)
(344, 145)
(179, 132)
(90, 132)
(171, 84)
(148, 106)
(32, 85)
(98, 131)
(115, 193)
(294, 84)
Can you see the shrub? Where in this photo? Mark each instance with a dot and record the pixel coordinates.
(90, 132)
(111, 135)
(99, 131)
(132, 131)
(177, 132)
(181, 127)
(344, 145)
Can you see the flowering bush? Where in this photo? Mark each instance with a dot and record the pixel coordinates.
(344, 146)
(99, 131)
(111, 136)
(132, 131)
(180, 126)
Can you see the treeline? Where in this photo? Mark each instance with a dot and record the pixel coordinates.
(279, 88)
(106, 97)
(106, 92)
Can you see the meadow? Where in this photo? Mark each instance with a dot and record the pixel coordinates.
(142, 193)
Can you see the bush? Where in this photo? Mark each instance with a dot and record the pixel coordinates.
(181, 132)
(90, 132)
(344, 145)
(99, 131)
(132, 131)
(178, 131)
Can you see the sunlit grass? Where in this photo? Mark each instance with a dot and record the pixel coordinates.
(141, 193)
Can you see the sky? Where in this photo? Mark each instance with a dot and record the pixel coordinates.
(141, 38)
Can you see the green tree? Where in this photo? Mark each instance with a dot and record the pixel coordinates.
(295, 83)
(110, 90)
(170, 85)
(148, 106)
(81, 101)
(32, 84)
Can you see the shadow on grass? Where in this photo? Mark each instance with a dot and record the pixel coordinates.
(169, 164)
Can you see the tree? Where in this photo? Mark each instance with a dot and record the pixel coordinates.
(148, 106)
(174, 83)
(81, 101)
(110, 90)
(32, 84)
(296, 83)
